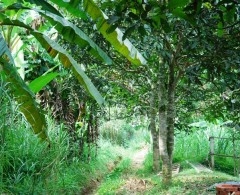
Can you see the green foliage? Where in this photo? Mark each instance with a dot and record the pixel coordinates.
(56, 50)
(67, 31)
(25, 99)
(118, 132)
(187, 146)
(29, 166)
(195, 146)
(175, 3)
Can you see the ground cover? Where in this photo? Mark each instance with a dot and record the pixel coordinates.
(132, 176)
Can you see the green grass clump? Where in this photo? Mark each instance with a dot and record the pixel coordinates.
(113, 181)
(147, 168)
(195, 146)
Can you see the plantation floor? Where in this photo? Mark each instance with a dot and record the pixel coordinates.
(128, 177)
(132, 183)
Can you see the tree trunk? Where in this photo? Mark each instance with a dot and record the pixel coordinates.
(163, 130)
(154, 131)
(166, 121)
(171, 112)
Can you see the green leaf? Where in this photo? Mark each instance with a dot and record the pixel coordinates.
(22, 94)
(220, 30)
(177, 4)
(116, 37)
(142, 30)
(25, 100)
(74, 35)
(112, 28)
(45, 5)
(129, 31)
(37, 84)
(4, 49)
(199, 5)
(133, 16)
(71, 6)
(166, 27)
(181, 14)
(4, 20)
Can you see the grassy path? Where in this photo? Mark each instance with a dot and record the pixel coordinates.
(122, 178)
(130, 176)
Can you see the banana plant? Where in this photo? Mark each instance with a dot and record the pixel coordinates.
(71, 33)
(21, 92)
(115, 37)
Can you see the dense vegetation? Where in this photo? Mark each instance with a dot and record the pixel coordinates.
(86, 84)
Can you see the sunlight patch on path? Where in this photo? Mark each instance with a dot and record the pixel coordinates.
(199, 167)
(134, 185)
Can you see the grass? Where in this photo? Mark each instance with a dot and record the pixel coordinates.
(195, 146)
(113, 181)
(190, 183)
(29, 167)
(125, 134)
(122, 180)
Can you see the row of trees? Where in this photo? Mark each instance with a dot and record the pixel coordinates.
(187, 52)
(190, 47)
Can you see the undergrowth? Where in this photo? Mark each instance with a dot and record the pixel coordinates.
(31, 166)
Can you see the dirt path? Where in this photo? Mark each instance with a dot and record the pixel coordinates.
(139, 157)
(133, 184)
